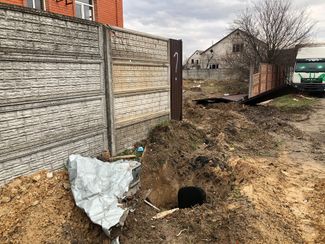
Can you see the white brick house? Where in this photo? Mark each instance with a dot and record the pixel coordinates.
(213, 57)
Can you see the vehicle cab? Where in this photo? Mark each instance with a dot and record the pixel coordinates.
(309, 71)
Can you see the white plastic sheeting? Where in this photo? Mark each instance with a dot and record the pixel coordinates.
(97, 187)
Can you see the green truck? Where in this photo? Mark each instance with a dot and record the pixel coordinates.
(309, 71)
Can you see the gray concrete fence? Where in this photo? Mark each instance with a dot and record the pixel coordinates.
(210, 74)
(73, 86)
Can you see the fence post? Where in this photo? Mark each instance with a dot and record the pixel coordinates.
(176, 79)
(109, 90)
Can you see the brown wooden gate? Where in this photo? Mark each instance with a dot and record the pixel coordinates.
(176, 78)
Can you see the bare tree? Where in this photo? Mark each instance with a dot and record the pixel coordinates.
(238, 63)
(210, 57)
(271, 26)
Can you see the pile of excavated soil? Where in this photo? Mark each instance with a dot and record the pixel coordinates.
(226, 122)
(263, 180)
(177, 155)
(40, 209)
(244, 127)
(256, 194)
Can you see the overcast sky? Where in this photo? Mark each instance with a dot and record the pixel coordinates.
(199, 23)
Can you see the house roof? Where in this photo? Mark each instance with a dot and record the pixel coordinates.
(200, 51)
(223, 39)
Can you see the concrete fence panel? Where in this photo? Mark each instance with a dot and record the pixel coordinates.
(211, 74)
(140, 85)
(52, 99)
(73, 86)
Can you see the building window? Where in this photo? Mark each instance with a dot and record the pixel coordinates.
(85, 9)
(37, 4)
(213, 66)
(236, 48)
(192, 61)
(197, 61)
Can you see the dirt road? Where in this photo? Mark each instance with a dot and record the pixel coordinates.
(291, 188)
(304, 164)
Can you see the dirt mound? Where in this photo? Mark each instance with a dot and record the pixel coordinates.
(229, 123)
(318, 204)
(258, 186)
(274, 120)
(175, 157)
(264, 181)
(178, 155)
(172, 139)
(40, 209)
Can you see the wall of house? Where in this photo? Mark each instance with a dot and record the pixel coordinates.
(141, 84)
(197, 62)
(70, 86)
(211, 74)
(108, 12)
(60, 7)
(220, 51)
(15, 2)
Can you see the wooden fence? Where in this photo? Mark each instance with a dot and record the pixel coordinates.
(269, 77)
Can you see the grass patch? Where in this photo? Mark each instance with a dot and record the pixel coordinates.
(217, 87)
(293, 103)
(230, 87)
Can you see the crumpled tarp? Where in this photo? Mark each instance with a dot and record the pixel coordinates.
(97, 186)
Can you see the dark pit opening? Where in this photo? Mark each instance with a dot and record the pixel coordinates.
(190, 196)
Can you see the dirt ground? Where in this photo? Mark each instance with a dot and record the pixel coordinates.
(195, 89)
(263, 170)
